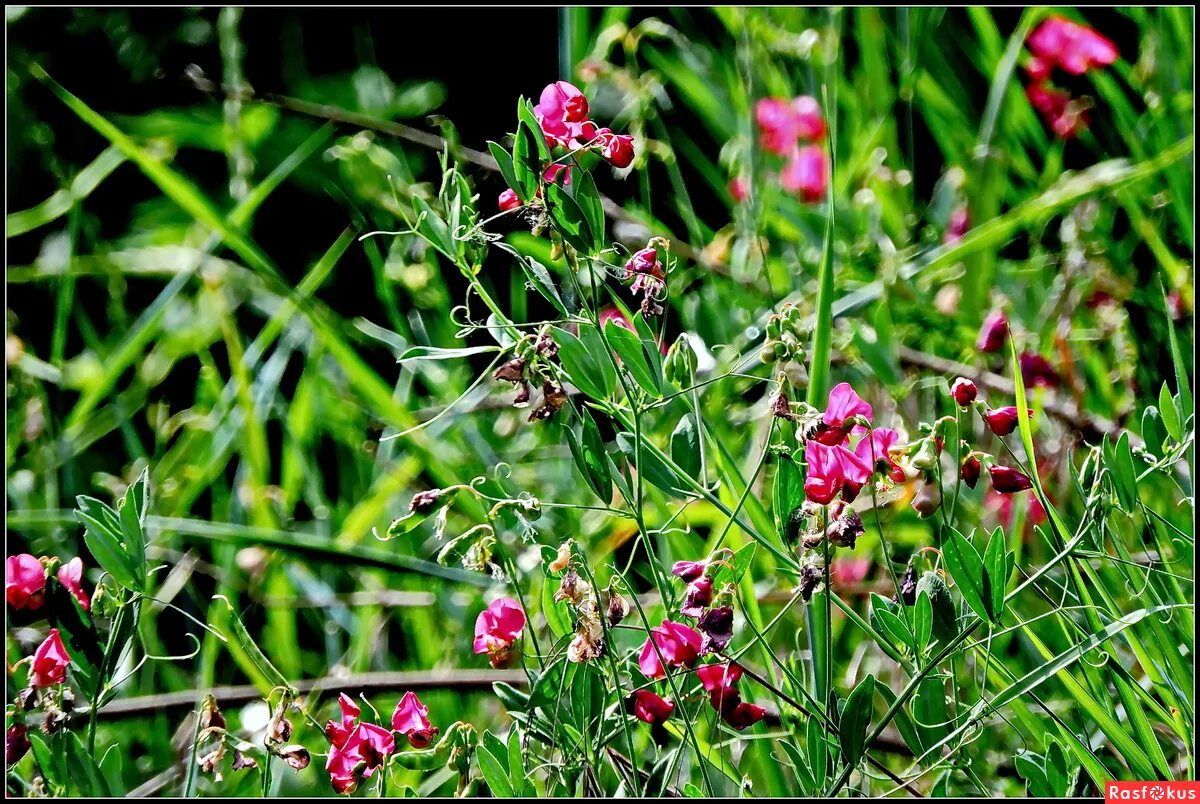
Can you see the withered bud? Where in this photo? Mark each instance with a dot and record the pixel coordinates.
(210, 715)
(522, 398)
(908, 586)
(811, 576)
(546, 346)
(27, 698)
(618, 608)
(279, 730)
(241, 761)
(781, 407)
(296, 756)
(553, 398)
(572, 588)
(513, 371)
(845, 530)
(55, 720)
(425, 501)
(563, 558)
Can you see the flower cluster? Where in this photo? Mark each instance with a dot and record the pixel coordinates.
(782, 126)
(1075, 49)
(720, 682)
(562, 112)
(358, 748)
(785, 336)
(533, 362)
(649, 278)
(1002, 421)
(25, 581)
(713, 612)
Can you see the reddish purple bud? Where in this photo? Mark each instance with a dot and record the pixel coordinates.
(617, 150)
(16, 743)
(699, 596)
(1036, 371)
(963, 391)
(956, 227)
(1002, 421)
(1009, 481)
(969, 471)
(689, 570)
(648, 707)
(993, 333)
(508, 200)
(744, 715)
(717, 626)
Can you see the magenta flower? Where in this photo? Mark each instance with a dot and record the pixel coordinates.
(24, 581)
(356, 749)
(649, 279)
(956, 227)
(830, 469)
(689, 570)
(1074, 48)
(617, 149)
(50, 661)
(411, 719)
(16, 743)
(70, 575)
(969, 471)
(508, 200)
(1065, 117)
(338, 732)
(850, 570)
(743, 715)
(649, 707)
(844, 404)
(698, 597)
(715, 677)
(874, 451)
(550, 176)
(1009, 481)
(778, 127)
(678, 645)
(992, 333)
(560, 111)
(497, 627)
(810, 123)
(739, 189)
(806, 173)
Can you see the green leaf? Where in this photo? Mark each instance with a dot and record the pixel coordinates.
(685, 445)
(431, 227)
(896, 628)
(108, 551)
(526, 116)
(237, 629)
(578, 364)
(134, 538)
(556, 616)
(516, 766)
(569, 218)
(588, 198)
(923, 621)
(818, 751)
(504, 161)
(495, 773)
(945, 621)
(1124, 475)
(590, 337)
(995, 561)
(963, 562)
(651, 466)
(85, 776)
(1170, 413)
(628, 347)
(904, 723)
(527, 164)
(855, 719)
(537, 276)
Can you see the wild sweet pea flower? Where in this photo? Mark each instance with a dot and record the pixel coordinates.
(739, 189)
(50, 661)
(810, 123)
(552, 172)
(1073, 48)
(850, 570)
(689, 570)
(698, 597)
(16, 743)
(844, 405)
(617, 149)
(992, 333)
(678, 645)
(720, 681)
(508, 200)
(778, 127)
(1065, 116)
(560, 111)
(874, 450)
(716, 677)
(338, 732)
(1037, 372)
(963, 391)
(70, 575)
(830, 469)
(649, 279)
(24, 581)
(743, 716)
(1002, 421)
(806, 173)
(411, 719)
(716, 625)
(356, 749)
(649, 707)
(956, 227)
(497, 627)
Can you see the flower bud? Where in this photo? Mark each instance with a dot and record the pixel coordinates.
(508, 201)
(562, 559)
(963, 391)
(1009, 481)
(648, 707)
(699, 596)
(928, 499)
(969, 471)
(993, 333)
(926, 457)
(618, 608)
(680, 364)
(1002, 421)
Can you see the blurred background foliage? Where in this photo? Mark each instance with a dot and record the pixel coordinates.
(186, 290)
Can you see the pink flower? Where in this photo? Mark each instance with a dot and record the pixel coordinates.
(810, 124)
(649, 279)
(829, 469)
(969, 471)
(777, 125)
(336, 732)
(497, 627)
(560, 110)
(613, 314)
(551, 174)
(956, 227)
(1004, 505)
(70, 575)
(992, 333)
(1074, 48)
(24, 581)
(1065, 117)
(739, 189)
(678, 645)
(844, 404)
(1009, 481)
(1036, 371)
(689, 570)
(807, 173)
(365, 749)
(851, 570)
(650, 708)
(714, 677)
(963, 391)
(411, 719)
(508, 200)
(874, 451)
(50, 661)
(617, 149)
